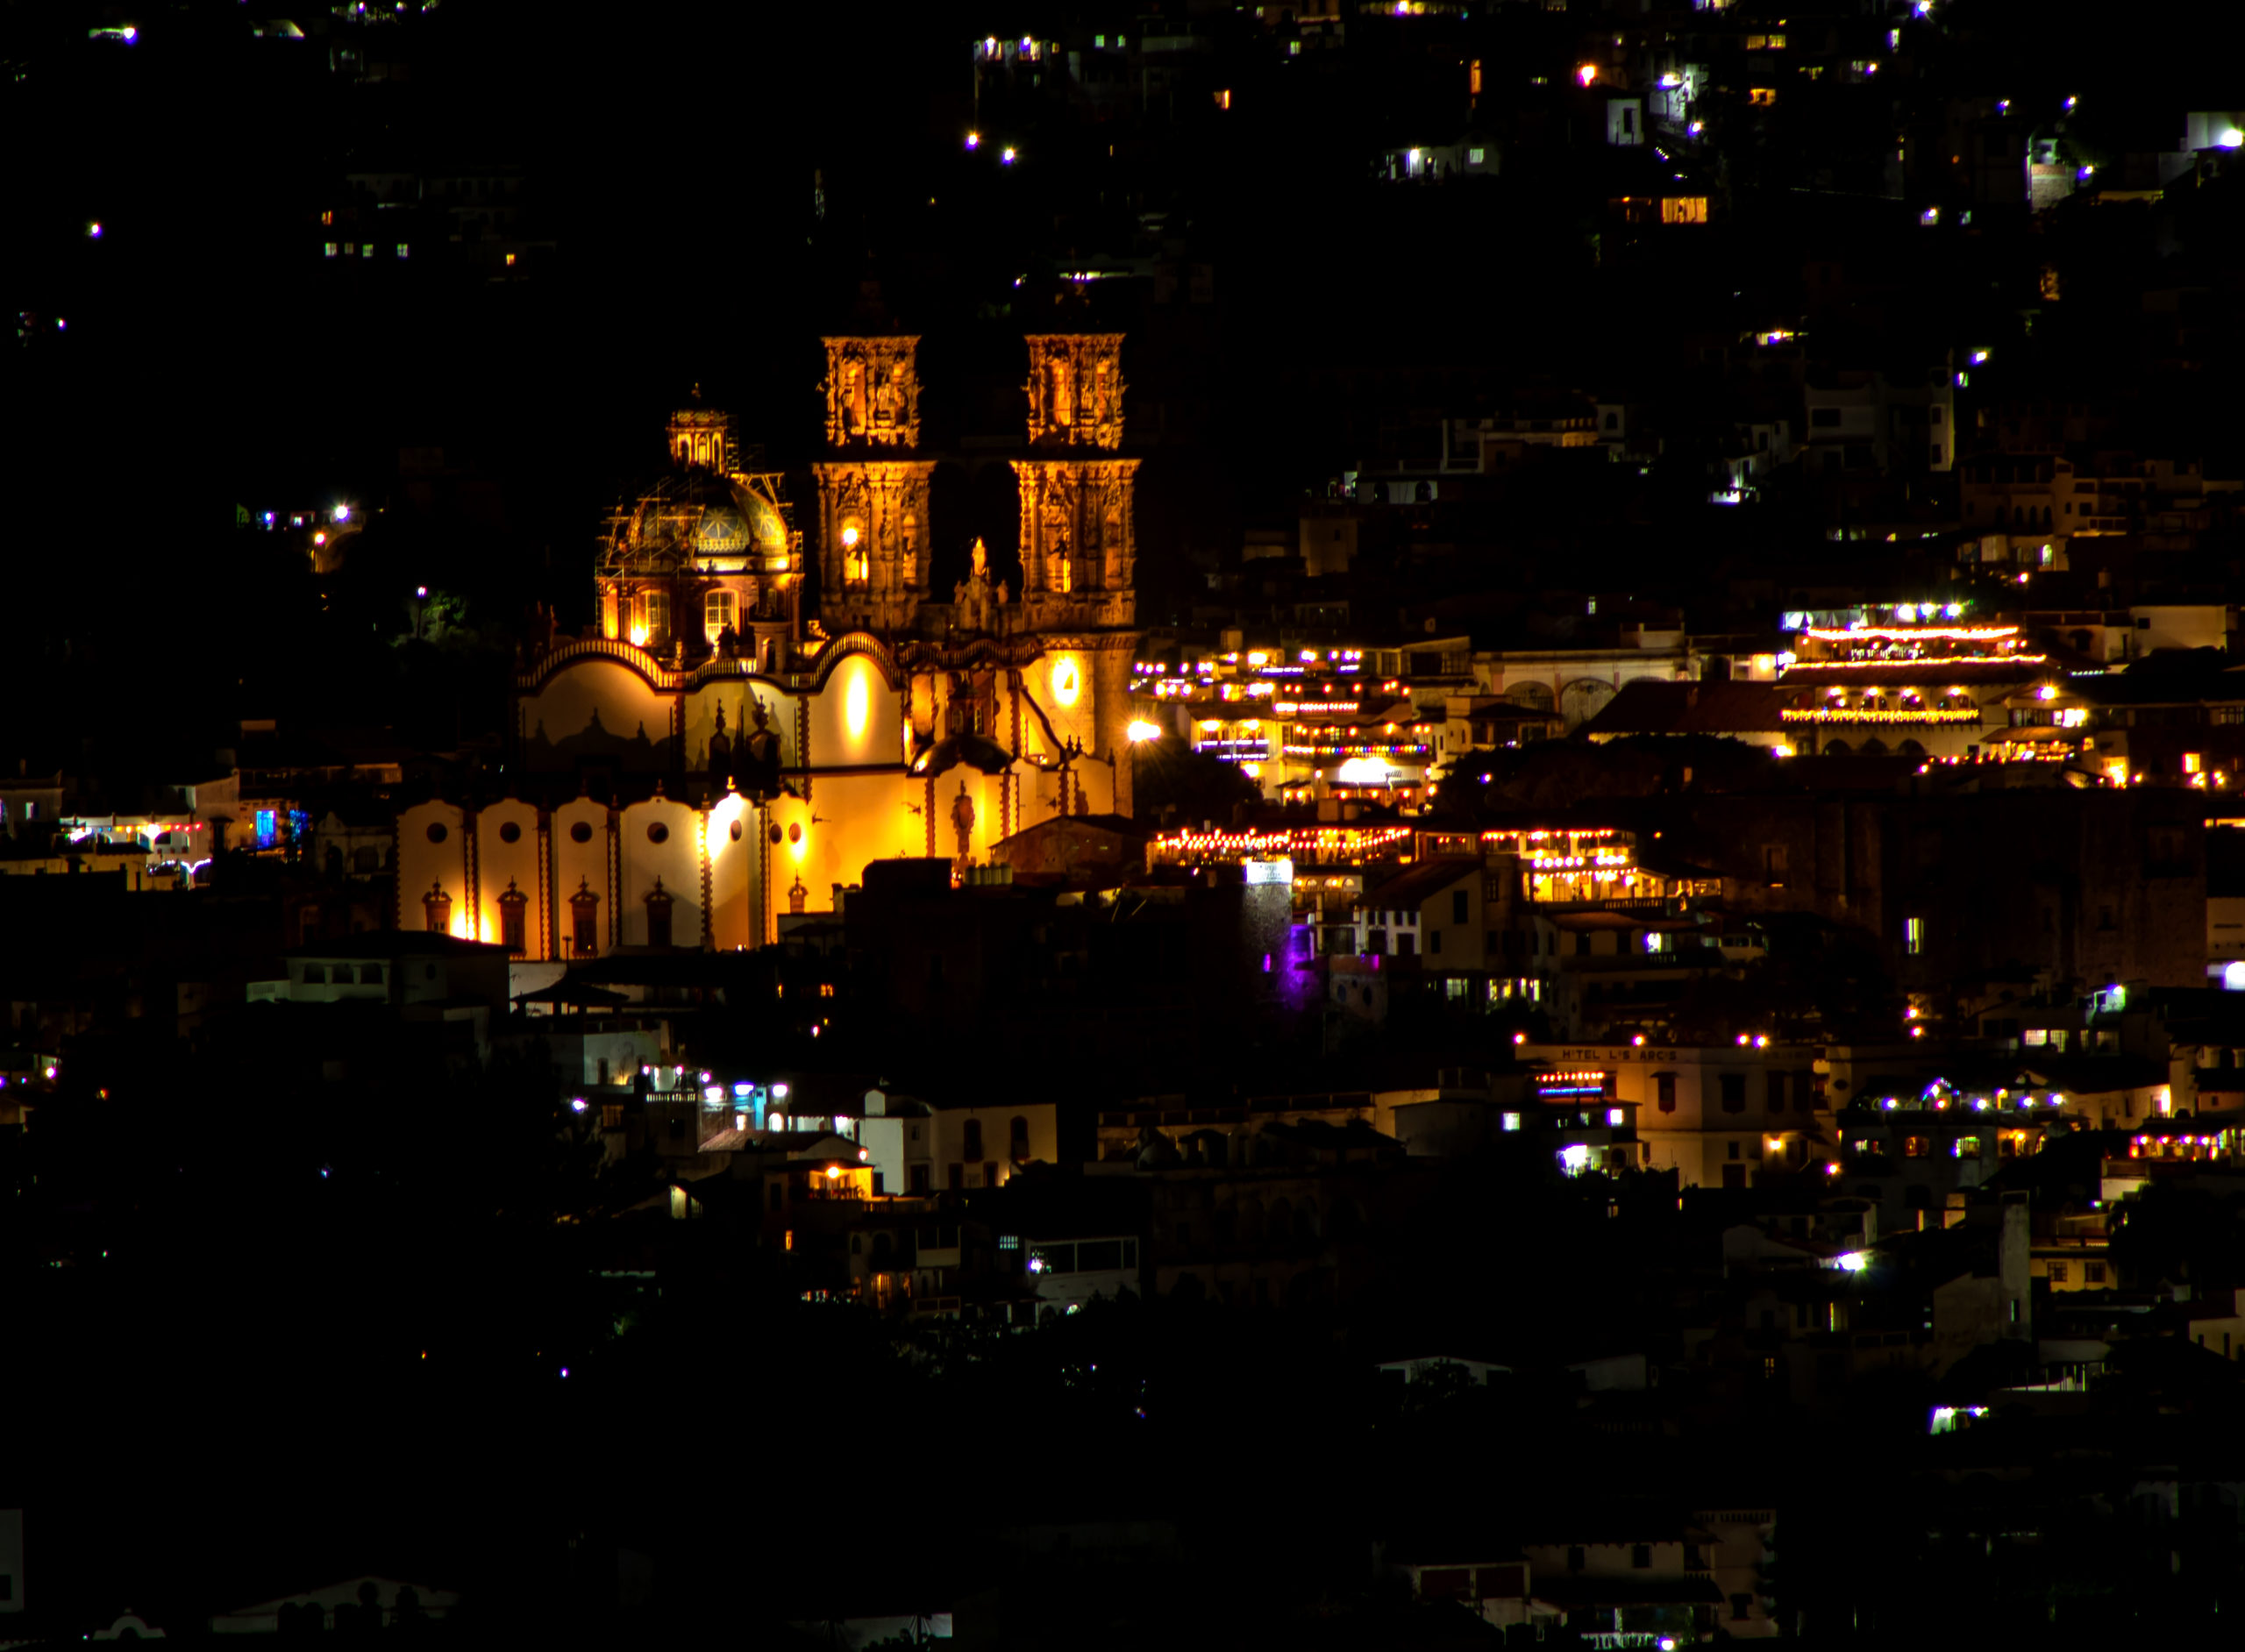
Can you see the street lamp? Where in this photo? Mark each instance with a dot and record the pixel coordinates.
(1138, 733)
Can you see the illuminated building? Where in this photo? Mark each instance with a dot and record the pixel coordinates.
(1924, 685)
(1720, 1116)
(710, 751)
(1305, 721)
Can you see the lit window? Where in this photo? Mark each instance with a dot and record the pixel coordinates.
(331, 249)
(1913, 934)
(401, 249)
(718, 610)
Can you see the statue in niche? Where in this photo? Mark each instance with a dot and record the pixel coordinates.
(962, 826)
(1111, 529)
(854, 398)
(1103, 397)
(759, 752)
(1060, 400)
(1057, 547)
(884, 399)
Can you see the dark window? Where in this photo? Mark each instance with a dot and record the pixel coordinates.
(1433, 941)
(1663, 1089)
(1741, 1607)
(1576, 1558)
(2165, 852)
(1017, 1140)
(1457, 905)
(1824, 418)
(1406, 945)
(1777, 1093)
(1734, 1092)
(920, 1179)
(1641, 1557)
(1099, 1255)
(971, 1138)
(659, 923)
(957, 1177)
(1582, 944)
(581, 833)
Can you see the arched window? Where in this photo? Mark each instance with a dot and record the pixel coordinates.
(719, 614)
(1874, 748)
(971, 1140)
(1837, 748)
(1530, 697)
(1911, 748)
(1017, 1140)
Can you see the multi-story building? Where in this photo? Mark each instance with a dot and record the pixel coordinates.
(1924, 685)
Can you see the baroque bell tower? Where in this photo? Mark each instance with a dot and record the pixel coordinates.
(1078, 506)
(872, 494)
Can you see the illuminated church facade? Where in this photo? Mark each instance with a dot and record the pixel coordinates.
(710, 756)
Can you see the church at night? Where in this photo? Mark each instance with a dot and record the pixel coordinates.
(718, 748)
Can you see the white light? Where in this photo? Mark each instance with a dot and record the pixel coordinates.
(780, 1092)
(1006, 156)
(2231, 138)
(420, 590)
(2233, 977)
(1575, 1159)
(974, 141)
(1140, 731)
(1854, 1262)
(343, 513)
(93, 232)
(577, 1104)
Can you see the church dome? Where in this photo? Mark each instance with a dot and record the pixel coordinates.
(767, 528)
(707, 514)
